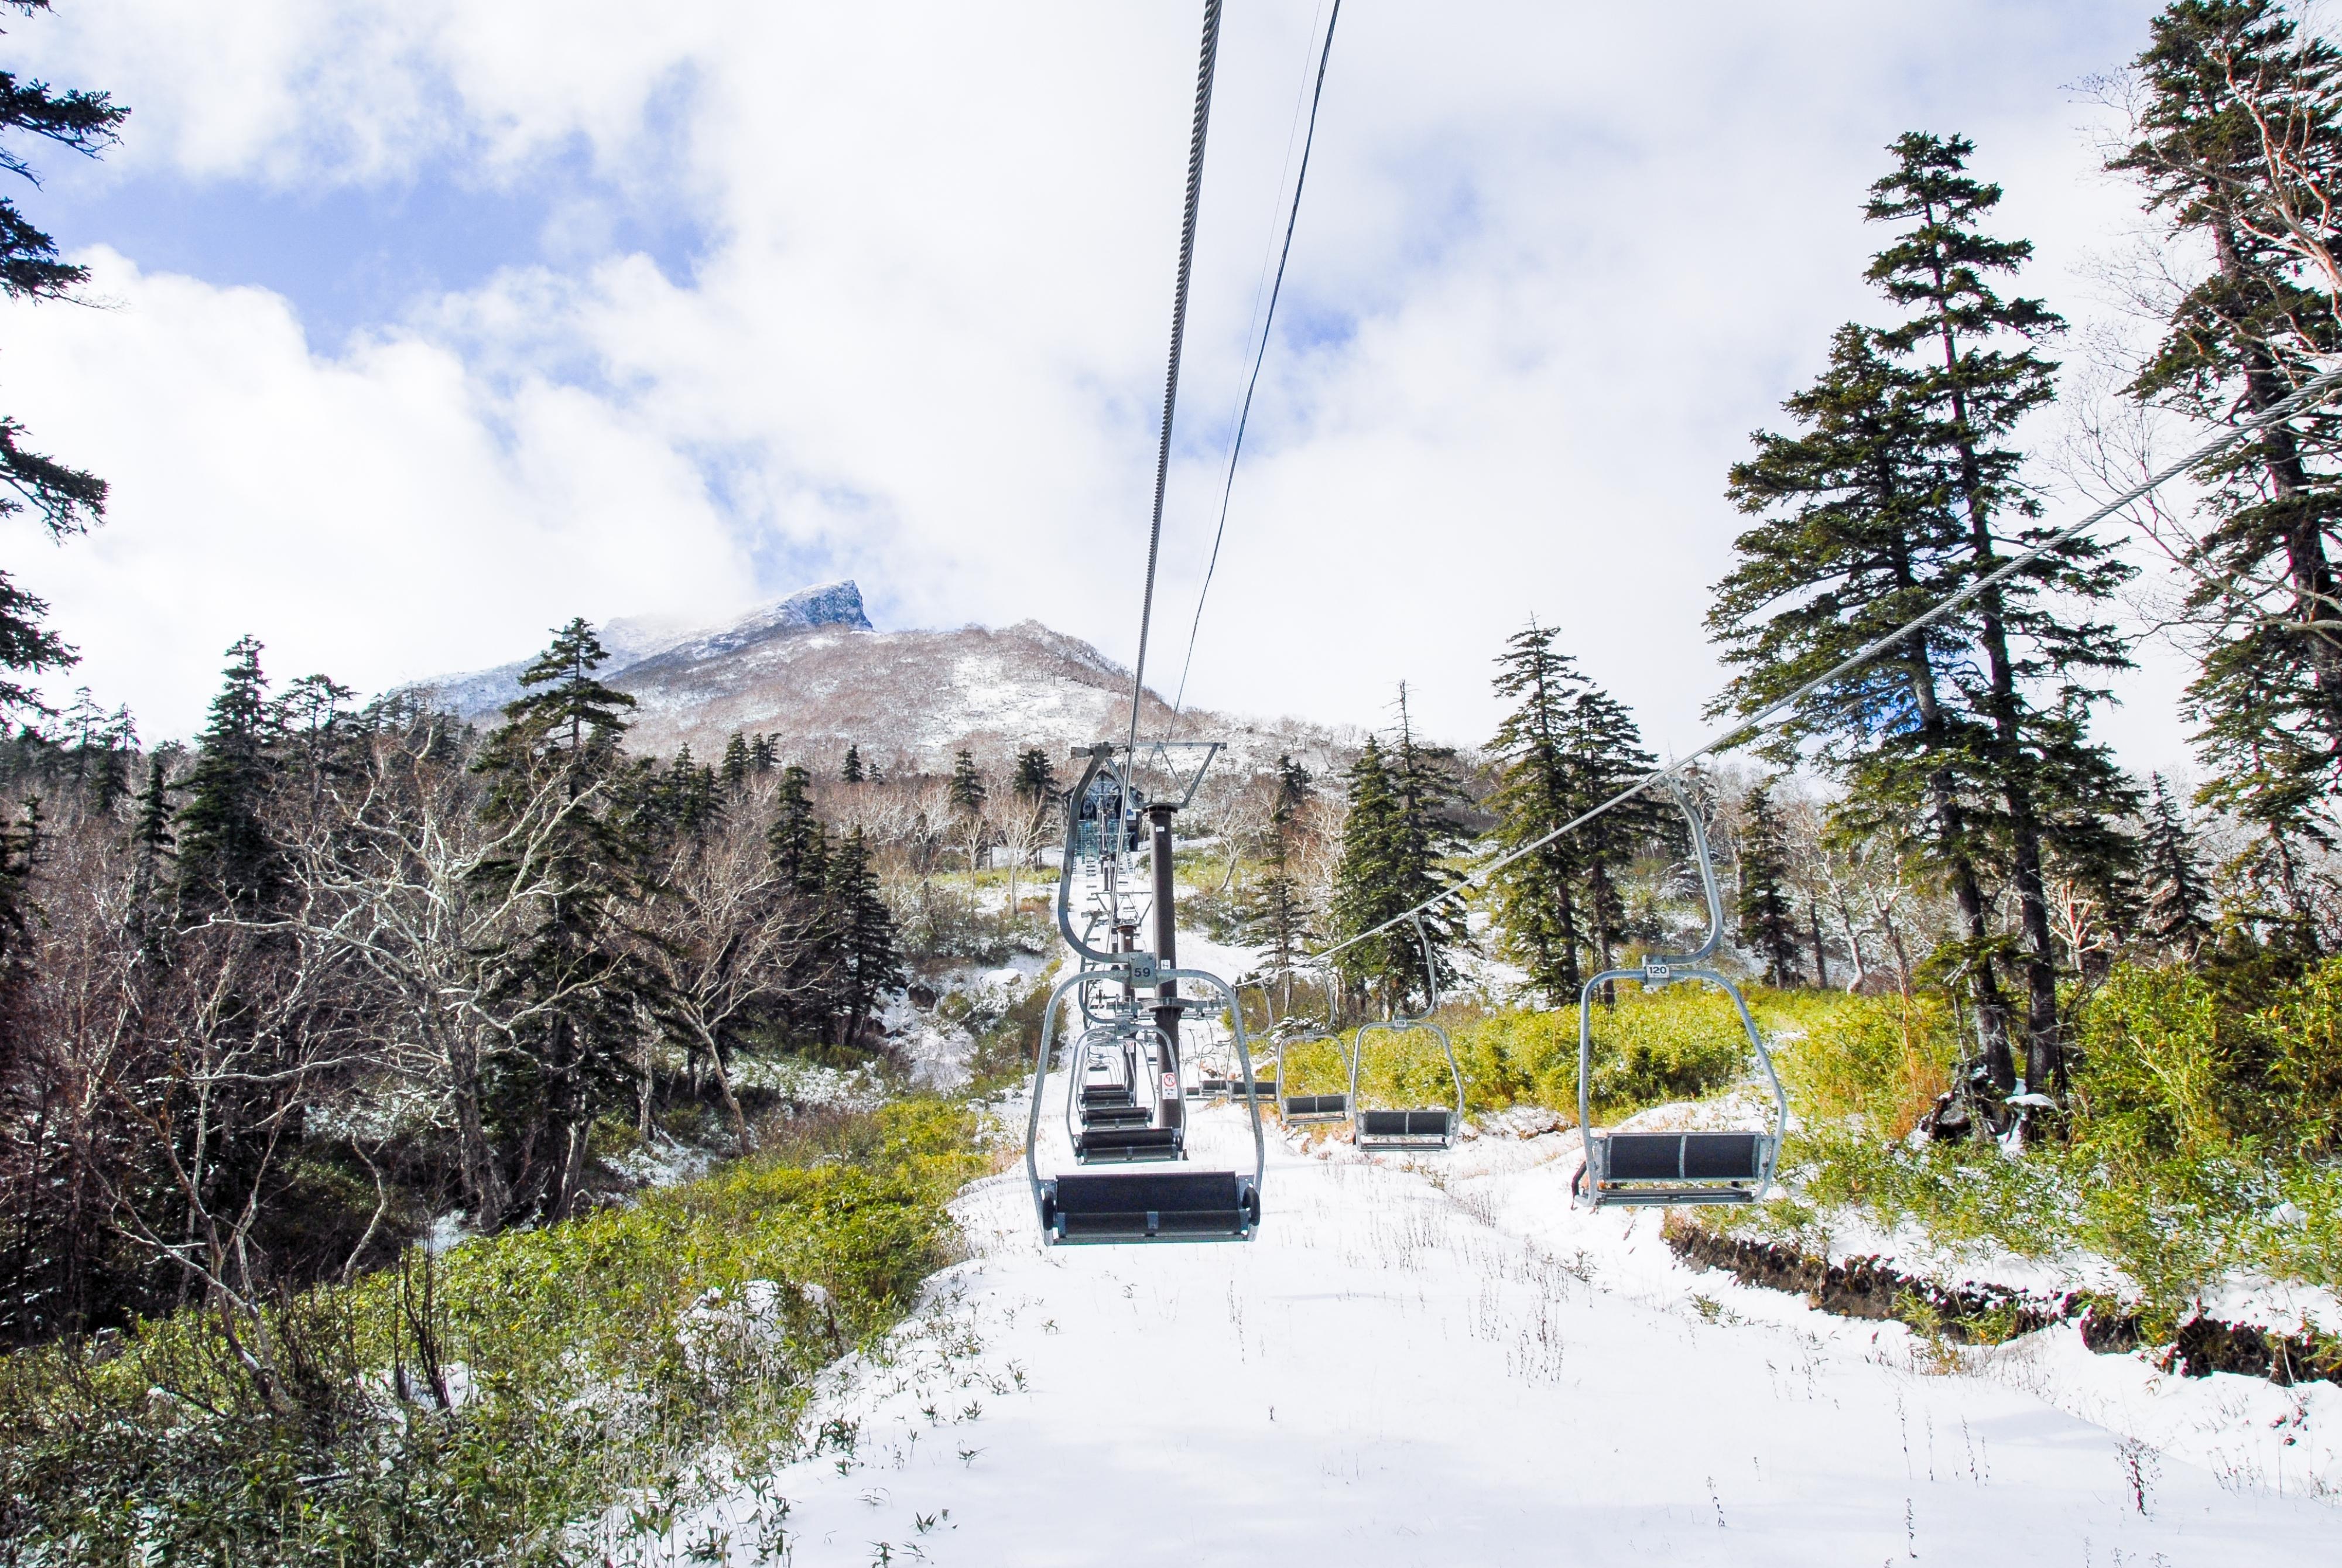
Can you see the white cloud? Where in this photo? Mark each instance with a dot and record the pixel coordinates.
(1563, 259)
(382, 516)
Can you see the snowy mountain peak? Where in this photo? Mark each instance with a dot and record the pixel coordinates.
(638, 642)
(829, 605)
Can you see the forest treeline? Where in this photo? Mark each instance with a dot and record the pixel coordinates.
(270, 1002)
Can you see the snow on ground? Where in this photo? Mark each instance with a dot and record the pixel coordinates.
(1434, 1360)
(938, 1051)
(809, 1085)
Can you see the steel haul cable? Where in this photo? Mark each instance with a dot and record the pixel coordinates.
(1203, 69)
(1268, 326)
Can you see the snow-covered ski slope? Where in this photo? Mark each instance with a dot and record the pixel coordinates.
(1437, 1362)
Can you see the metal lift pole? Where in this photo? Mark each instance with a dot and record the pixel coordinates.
(1166, 954)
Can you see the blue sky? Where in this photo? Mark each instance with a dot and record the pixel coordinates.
(432, 325)
(351, 258)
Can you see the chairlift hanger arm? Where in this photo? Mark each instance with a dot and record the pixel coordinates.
(1706, 861)
(1074, 800)
(1430, 966)
(1157, 759)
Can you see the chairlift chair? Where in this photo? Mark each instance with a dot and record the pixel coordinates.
(1428, 1127)
(1122, 1130)
(1156, 1203)
(1296, 1108)
(1657, 1168)
(1220, 1081)
(1103, 1074)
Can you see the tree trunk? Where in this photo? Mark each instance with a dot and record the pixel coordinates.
(1951, 828)
(483, 1179)
(731, 1102)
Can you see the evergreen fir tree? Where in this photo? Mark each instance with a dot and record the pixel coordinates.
(852, 772)
(867, 961)
(1392, 842)
(796, 837)
(1768, 926)
(1037, 780)
(226, 855)
(738, 763)
(2240, 149)
(151, 843)
(763, 755)
(102, 746)
(66, 500)
(2175, 914)
(315, 732)
(1537, 791)
(1567, 747)
(967, 792)
(1854, 542)
(1275, 912)
(551, 774)
(1972, 748)
(151, 838)
(1366, 875)
(2052, 780)
(803, 856)
(1295, 789)
(1607, 755)
(687, 800)
(565, 717)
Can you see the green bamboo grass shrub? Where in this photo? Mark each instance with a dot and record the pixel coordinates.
(1682, 1042)
(475, 1405)
(2199, 1138)
(1875, 1064)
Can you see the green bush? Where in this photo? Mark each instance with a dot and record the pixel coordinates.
(1874, 1062)
(589, 1358)
(1309, 1067)
(1680, 1043)
(2202, 1104)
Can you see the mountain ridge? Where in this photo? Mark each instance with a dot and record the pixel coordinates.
(811, 670)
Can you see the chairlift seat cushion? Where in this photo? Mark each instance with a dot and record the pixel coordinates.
(1130, 1144)
(1124, 1115)
(1689, 1157)
(1316, 1104)
(1144, 1205)
(1406, 1123)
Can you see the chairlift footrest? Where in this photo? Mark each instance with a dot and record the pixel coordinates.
(1670, 1197)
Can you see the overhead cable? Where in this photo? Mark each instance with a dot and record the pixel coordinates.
(1268, 326)
(1211, 54)
(1750, 727)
